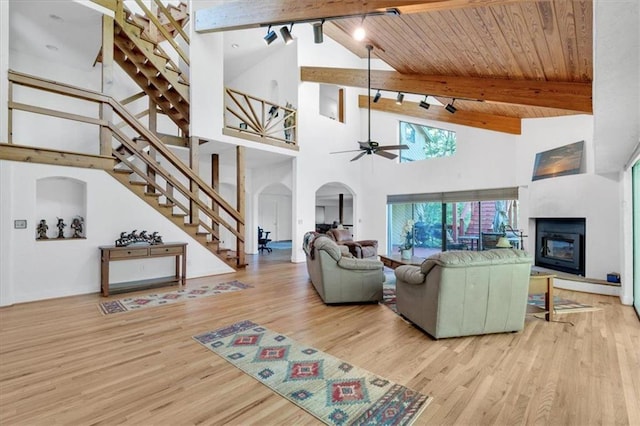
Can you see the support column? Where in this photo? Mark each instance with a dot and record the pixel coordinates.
(194, 164)
(215, 184)
(106, 112)
(4, 68)
(240, 203)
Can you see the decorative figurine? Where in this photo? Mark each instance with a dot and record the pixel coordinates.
(42, 230)
(77, 224)
(61, 225)
(143, 238)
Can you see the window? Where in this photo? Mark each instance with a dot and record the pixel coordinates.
(332, 102)
(425, 142)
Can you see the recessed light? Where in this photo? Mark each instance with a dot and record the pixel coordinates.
(55, 17)
(235, 45)
(52, 47)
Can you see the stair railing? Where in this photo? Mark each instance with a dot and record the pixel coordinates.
(181, 181)
(260, 118)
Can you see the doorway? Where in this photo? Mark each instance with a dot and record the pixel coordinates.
(334, 207)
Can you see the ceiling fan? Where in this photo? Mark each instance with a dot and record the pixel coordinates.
(371, 147)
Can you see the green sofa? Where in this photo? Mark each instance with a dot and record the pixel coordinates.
(461, 293)
(337, 276)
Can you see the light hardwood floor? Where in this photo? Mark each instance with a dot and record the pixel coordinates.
(63, 362)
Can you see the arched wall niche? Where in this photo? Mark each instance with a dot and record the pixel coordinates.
(59, 197)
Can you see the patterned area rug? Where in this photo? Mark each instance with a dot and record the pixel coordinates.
(560, 305)
(332, 390)
(159, 299)
(389, 296)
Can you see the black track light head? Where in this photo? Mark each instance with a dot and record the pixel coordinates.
(424, 104)
(450, 107)
(400, 98)
(286, 34)
(270, 37)
(318, 36)
(376, 98)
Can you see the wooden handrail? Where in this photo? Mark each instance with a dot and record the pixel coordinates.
(132, 121)
(263, 125)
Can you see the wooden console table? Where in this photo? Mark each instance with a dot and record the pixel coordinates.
(113, 253)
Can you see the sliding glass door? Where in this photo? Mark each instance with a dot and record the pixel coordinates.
(469, 220)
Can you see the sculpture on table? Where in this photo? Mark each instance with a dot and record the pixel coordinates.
(77, 224)
(143, 238)
(61, 225)
(42, 230)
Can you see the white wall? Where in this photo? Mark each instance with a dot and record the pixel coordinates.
(45, 269)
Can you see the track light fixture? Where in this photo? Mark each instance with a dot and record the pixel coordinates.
(286, 34)
(399, 98)
(318, 36)
(376, 98)
(424, 104)
(271, 36)
(450, 107)
(359, 34)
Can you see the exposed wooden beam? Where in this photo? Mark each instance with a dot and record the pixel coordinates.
(550, 94)
(241, 14)
(29, 154)
(496, 123)
(237, 15)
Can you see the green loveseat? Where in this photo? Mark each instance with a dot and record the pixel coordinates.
(461, 293)
(337, 276)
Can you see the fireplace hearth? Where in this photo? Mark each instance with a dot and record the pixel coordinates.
(560, 244)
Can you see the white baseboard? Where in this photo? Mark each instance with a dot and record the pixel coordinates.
(608, 290)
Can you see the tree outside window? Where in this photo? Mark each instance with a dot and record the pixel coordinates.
(425, 142)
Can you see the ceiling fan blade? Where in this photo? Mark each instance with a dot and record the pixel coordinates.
(357, 157)
(341, 152)
(386, 154)
(388, 147)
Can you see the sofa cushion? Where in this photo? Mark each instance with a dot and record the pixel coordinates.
(322, 242)
(465, 258)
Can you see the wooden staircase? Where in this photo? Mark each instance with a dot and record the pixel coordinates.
(137, 50)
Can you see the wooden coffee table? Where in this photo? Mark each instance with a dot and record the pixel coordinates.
(393, 260)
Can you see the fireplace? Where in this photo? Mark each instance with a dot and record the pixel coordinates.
(560, 244)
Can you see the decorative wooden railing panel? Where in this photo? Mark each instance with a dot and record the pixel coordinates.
(260, 118)
(146, 159)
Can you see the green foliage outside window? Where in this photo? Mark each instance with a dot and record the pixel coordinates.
(425, 142)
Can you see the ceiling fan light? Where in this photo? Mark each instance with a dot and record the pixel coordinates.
(399, 98)
(376, 98)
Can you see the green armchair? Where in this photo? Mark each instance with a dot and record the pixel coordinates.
(337, 276)
(461, 293)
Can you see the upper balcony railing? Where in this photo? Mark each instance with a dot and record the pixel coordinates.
(259, 120)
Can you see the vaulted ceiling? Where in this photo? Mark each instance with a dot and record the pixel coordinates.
(498, 58)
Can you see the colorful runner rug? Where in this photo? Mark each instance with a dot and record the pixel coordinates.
(560, 305)
(330, 389)
(159, 299)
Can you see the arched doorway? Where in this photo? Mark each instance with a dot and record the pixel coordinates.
(334, 206)
(275, 217)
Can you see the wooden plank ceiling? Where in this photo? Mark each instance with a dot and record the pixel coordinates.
(513, 41)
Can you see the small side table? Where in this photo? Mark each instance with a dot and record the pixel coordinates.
(543, 283)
